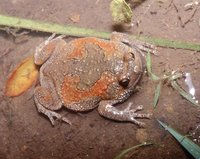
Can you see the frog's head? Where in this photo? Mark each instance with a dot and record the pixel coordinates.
(132, 70)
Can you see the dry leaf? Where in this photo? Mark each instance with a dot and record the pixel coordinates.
(21, 78)
(121, 11)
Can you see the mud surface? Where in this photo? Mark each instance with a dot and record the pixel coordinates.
(26, 134)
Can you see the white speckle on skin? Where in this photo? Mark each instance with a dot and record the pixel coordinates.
(80, 70)
(117, 68)
(136, 69)
(114, 112)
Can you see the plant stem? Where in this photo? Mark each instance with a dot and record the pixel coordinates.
(16, 22)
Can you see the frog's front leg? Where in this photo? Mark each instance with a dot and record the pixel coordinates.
(136, 44)
(107, 110)
(46, 49)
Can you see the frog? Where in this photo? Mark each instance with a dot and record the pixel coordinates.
(87, 73)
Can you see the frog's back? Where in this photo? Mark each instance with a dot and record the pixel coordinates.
(85, 69)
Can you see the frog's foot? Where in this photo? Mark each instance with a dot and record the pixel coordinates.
(51, 115)
(131, 114)
(46, 102)
(128, 114)
(53, 36)
(136, 44)
(144, 47)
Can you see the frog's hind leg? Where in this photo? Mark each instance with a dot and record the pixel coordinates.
(44, 103)
(107, 110)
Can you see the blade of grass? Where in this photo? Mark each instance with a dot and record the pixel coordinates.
(175, 76)
(126, 151)
(149, 68)
(183, 93)
(16, 22)
(148, 62)
(170, 43)
(157, 94)
(51, 27)
(188, 144)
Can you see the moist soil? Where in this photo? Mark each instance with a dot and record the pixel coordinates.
(26, 134)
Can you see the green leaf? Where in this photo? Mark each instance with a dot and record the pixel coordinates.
(149, 67)
(157, 94)
(188, 144)
(183, 93)
(148, 62)
(154, 77)
(121, 11)
(128, 150)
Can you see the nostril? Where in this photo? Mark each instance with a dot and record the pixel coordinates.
(133, 55)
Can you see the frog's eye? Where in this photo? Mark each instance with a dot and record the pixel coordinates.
(124, 82)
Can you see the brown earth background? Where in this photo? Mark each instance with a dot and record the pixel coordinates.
(26, 134)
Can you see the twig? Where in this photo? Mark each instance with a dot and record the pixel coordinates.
(179, 17)
(177, 11)
(174, 5)
(191, 5)
(6, 51)
(190, 18)
(13, 31)
(168, 7)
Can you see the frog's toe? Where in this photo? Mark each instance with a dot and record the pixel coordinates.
(131, 114)
(140, 124)
(148, 115)
(61, 118)
(51, 115)
(145, 47)
(138, 108)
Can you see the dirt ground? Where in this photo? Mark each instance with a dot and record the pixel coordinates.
(26, 134)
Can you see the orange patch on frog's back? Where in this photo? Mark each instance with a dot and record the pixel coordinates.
(79, 44)
(71, 94)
